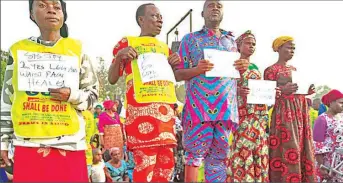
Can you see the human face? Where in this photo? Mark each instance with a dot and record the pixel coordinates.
(316, 104)
(286, 51)
(337, 106)
(248, 46)
(115, 107)
(115, 155)
(151, 23)
(98, 110)
(97, 157)
(47, 14)
(213, 11)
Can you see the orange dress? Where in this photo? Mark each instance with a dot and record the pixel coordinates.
(150, 131)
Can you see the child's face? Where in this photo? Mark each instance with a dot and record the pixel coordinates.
(97, 157)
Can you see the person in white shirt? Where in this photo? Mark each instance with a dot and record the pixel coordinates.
(98, 168)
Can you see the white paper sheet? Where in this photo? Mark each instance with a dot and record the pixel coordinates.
(261, 92)
(155, 66)
(302, 82)
(223, 63)
(37, 72)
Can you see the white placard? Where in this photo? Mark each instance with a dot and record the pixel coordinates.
(302, 82)
(154, 67)
(37, 72)
(223, 63)
(261, 92)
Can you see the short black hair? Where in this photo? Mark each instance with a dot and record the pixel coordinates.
(141, 10)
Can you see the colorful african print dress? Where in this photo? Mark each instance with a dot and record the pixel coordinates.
(328, 137)
(210, 111)
(291, 150)
(149, 128)
(248, 159)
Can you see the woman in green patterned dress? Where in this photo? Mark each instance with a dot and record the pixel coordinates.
(248, 158)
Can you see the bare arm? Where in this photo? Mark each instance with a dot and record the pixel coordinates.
(113, 72)
(186, 74)
(101, 140)
(126, 178)
(107, 174)
(319, 158)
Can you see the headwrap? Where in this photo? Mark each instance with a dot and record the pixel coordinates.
(64, 29)
(98, 106)
(114, 149)
(108, 104)
(332, 96)
(246, 34)
(280, 41)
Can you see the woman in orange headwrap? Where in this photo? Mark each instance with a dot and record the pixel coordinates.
(291, 149)
(328, 135)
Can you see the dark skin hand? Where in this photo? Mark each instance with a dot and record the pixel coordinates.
(243, 91)
(174, 59)
(127, 53)
(241, 64)
(204, 66)
(4, 159)
(124, 55)
(289, 88)
(61, 94)
(312, 89)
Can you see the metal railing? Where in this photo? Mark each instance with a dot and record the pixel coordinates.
(183, 18)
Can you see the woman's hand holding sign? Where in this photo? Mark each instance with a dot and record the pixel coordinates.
(61, 94)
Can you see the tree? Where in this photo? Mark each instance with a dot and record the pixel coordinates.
(4, 57)
(180, 92)
(321, 90)
(106, 90)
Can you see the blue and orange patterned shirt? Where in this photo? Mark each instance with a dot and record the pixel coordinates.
(208, 98)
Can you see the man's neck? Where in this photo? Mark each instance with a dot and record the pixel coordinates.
(146, 34)
(213, 26)
(51, 36)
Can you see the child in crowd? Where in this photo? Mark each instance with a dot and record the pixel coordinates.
(98, 168)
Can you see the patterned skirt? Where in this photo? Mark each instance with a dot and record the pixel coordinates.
(248, 159)
(291, 150)
(113, 137)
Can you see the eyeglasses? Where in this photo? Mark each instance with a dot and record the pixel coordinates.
(157, 16)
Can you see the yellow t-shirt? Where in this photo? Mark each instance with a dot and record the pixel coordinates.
(313, 116)
(270, 115)
(90, 131)
(201, 175)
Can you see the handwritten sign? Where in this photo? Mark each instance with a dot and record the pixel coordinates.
(37, 72)
(302, 82)
(261, 92)
(223, 63)
(155, 67)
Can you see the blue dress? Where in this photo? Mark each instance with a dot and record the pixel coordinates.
(117, 174)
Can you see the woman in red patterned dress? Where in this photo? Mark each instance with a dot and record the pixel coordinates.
(291, 149)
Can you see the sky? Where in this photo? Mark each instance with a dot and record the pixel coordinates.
(315, 25)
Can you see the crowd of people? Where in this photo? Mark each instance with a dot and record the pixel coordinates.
(57, 133)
